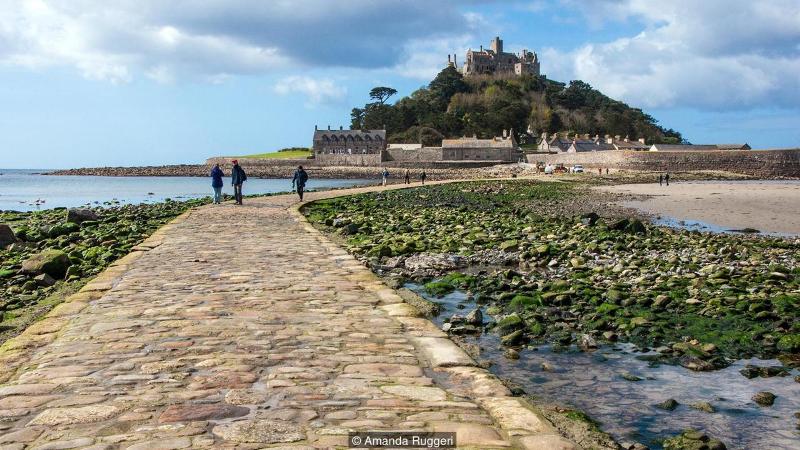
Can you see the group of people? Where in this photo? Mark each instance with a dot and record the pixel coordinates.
(238, 177)
(663, 178)
(406, 177)
(299, 180)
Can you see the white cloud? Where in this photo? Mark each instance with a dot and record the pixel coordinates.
(714, 54)
(117, 40)
(318, 92)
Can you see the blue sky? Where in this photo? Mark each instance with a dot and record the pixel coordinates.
(145, 82)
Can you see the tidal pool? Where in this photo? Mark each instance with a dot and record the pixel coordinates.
(593, 382)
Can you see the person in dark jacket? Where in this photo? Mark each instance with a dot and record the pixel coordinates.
(299, 181)
(407, 177)
(422, 176)
(666, 178)
(216, 183)
(238, 177)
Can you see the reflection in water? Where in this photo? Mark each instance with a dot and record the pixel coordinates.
(593, 382)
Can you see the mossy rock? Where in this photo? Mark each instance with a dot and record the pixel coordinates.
(512, 339)
(509, 246)
(789, 343)
(439, 288)
(510, 323)
(51, 262)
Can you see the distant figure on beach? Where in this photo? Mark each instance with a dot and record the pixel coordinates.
(238, 177)
(299, 181)
(216, 183)
(408, 177)
(666, 178)
(606, 170)
(385, 175)
(422, 176)
(599, 170)
(660, 180)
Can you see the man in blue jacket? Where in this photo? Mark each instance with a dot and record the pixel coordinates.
(238, 177)
(299, 180)
(216, 183)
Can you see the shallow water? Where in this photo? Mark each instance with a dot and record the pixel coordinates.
(27, 190)
(592, 382)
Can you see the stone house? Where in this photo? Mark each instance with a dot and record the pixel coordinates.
(503, 148)
(348, 142)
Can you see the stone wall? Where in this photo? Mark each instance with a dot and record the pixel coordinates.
(415, 155)
(759, 163)
(368, 160)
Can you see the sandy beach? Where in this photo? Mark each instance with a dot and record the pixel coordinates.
(772, 207)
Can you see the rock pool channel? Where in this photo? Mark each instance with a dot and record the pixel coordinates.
(603, 383)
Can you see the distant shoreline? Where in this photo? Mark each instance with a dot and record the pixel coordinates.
(264, 171)
(764, 206)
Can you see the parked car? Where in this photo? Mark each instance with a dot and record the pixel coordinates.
(577, 168)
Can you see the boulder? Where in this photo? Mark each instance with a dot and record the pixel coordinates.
(589, 219)
(51, 262)
(80, 215)
(668, 405)
(587, 342)
(7, 236)
(44, 280)
(764, 398)
(475, 317)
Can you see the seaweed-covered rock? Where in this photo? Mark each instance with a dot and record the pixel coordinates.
(51, 262)
(668, 405)
(693, 440)
(80, 215)
(764, 398)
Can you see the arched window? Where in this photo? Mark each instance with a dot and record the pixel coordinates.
(325, 138)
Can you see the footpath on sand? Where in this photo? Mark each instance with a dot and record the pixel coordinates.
(244, 327)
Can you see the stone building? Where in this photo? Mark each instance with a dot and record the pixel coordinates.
(495, 61)
(348, 142)
(503, 148)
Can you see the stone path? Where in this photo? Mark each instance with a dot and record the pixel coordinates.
(243, 327)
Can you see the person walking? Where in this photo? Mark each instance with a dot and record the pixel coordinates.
(408, 177)
(660, 180)
(666, 178)
(385, 175)
(422, 176)
(238, 177)
(299, 181)
(216, 183)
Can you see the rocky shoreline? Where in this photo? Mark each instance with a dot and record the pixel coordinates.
(560, 264)
(270, 171)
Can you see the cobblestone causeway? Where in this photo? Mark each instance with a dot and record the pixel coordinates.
(243, 327)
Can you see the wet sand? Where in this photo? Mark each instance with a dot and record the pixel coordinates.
(768, 206)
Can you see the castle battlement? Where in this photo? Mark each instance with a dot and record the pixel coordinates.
(494, 60)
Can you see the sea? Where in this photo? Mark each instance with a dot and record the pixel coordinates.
(30, 190)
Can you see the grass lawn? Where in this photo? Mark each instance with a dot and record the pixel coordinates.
(287, 154)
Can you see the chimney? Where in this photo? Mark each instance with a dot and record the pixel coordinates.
(641, 140)
(481, 47)
(505, 133)
(455, 61)
(329, 127)
(315, 127)
(448, 59)
(341, 128)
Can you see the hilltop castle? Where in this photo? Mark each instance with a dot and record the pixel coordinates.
(495, 60)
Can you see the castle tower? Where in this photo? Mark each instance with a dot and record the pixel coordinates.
(497, 45)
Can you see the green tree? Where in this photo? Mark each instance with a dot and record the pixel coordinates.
(381, 94)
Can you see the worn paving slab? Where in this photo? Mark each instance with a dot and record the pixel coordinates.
(243, 327)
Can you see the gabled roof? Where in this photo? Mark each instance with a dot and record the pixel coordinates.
(590, 146)
(350, 134)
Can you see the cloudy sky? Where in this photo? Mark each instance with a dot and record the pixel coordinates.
(130, 82)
